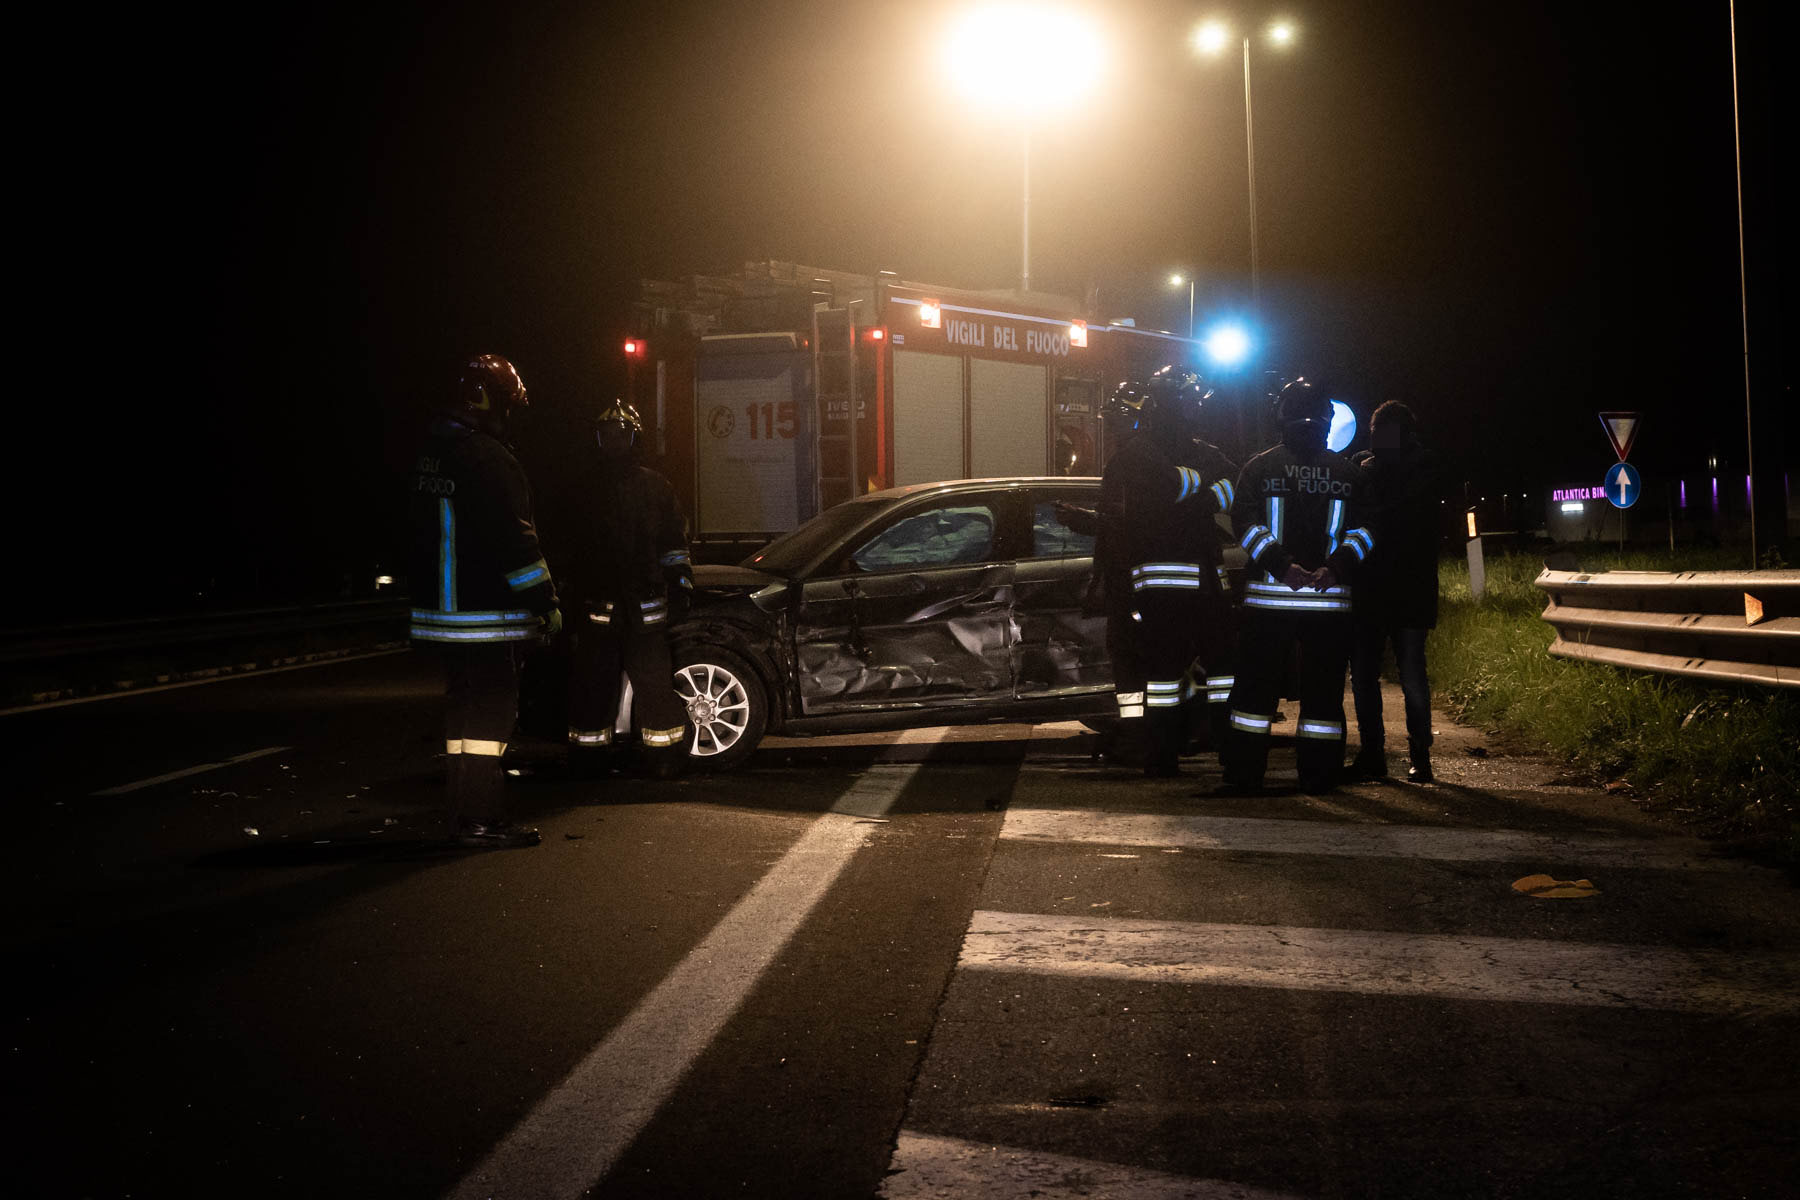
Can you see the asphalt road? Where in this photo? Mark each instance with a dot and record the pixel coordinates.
(944, 963)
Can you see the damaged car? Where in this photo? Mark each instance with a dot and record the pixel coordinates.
(932, 604)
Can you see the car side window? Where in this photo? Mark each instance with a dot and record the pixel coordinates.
(938, 537)
(1052, 538)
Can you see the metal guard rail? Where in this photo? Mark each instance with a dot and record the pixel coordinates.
(1719, 626)
(188, 629)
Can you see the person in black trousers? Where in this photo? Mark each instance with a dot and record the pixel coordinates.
(1397, 590)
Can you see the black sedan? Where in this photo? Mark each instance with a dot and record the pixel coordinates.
(939, 603)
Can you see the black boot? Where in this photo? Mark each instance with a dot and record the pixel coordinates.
(1420, 771)
(1370, 763)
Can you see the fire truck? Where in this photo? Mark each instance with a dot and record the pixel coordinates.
(775, 394)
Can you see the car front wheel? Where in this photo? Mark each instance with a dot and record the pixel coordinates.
(726, 705)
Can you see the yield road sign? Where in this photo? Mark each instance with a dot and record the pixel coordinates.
(1623, 485)
(1621, 430)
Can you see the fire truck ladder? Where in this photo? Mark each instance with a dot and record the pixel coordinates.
(834, 372)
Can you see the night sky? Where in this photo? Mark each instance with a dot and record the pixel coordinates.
(260, 240)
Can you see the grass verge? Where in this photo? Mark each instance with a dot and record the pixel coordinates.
(1723, 759)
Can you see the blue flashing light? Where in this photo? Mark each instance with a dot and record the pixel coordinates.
(1228, 345)
(1343, 427)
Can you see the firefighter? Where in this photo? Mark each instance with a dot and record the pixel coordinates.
(1299, 515)
(481, 587)
(633, 579)
(1159, 494)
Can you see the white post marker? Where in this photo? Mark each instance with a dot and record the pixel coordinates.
(578, 1131)
(1477, 568)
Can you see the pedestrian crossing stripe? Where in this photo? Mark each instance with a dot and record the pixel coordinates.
(1274, 835)
(1444, 966)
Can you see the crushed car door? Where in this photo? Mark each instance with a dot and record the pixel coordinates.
(917, 614)
(1060, 647)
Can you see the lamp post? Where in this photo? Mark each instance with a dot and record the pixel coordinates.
(1023, 58)
(1177, 281)
(1211, 38)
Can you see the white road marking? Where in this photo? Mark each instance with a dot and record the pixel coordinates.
(186, 771)
(188, 683)
(1264, 835)
(928, 1166)
(575, 1134)
(1448, 966)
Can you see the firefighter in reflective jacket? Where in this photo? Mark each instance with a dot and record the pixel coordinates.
(481, 588)
(1159, 494)
(1299, 515)
(634, 579)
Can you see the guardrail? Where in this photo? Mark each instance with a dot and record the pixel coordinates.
(1721, 626)
(64, 662)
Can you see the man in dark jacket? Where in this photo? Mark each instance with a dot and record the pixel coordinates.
(633, 579)
(1397, 589)
(1158, 496)
(1298, 513)
(480, 587)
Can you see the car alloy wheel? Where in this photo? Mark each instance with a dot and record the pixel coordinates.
(718, 705)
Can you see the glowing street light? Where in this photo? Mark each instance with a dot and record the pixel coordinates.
(1211, 38)
(1024, 59)
(1177, 281)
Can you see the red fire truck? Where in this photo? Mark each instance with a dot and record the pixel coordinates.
(782, 392)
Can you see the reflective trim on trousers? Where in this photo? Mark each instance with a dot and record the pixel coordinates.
(590, 737)
(1251, 722)
(484, 748)
(1218, 688)
(1327, 730)
(1162, 693)
(661, 738)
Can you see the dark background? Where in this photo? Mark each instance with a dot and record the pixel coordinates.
(257, 242)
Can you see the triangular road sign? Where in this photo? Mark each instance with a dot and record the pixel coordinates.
(1621, 431)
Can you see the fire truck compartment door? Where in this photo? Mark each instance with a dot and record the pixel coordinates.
(928, 417)
(1009, 417)
(752, 454)
(920, 615)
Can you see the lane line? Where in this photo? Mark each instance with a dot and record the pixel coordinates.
(930, 1167)
(186, 771)
(188, 683)
(1448, 966)
(575, 1134)
(1267, 835)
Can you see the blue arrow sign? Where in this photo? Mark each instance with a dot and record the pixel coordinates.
(1623, 485)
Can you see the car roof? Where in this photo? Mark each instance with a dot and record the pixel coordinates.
(953, 486)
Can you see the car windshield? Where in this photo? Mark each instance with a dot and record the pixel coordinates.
(791, 552)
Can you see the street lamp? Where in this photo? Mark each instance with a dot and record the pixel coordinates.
(1177, 281)
(1211, 38)
(1022, 58)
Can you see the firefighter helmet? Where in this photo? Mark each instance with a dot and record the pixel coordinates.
(488, 389)
(1125, 407)
(1301, 401)
(1178, 391)
(620, 413)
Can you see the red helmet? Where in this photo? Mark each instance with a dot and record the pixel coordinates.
(488, 389)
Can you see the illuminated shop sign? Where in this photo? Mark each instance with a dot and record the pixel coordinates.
(1577, 493)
